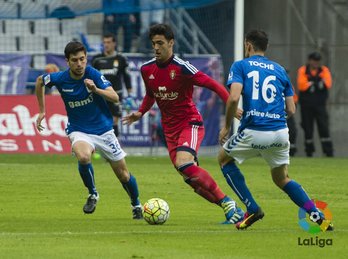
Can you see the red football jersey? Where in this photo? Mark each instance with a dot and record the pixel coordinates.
(171, 86)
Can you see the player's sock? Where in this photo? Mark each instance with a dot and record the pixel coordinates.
(201, 182)
(236, 181)
(298, 195)
(116, 131)
(87, 175)
(131, 188)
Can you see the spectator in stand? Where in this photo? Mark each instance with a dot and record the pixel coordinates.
(114, 20)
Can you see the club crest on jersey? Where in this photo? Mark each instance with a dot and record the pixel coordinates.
(115, 63)
(172, 74)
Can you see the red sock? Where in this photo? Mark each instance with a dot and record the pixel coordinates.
(203, 184)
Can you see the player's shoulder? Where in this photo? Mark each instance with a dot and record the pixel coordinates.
(148, 64)
(91, 71)
(185, 65)
(55, 78)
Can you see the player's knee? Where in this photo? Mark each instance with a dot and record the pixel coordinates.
(84, 158)
(122, 174)
(182, 167)
(280, 176)
(223, 158)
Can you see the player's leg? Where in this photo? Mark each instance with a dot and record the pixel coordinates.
(236, 181)
(278, 160)
(322, 119)
(83, 147)
(130, 185)
(198, 178)
(112, 151)
(238, 145)
(296, 193)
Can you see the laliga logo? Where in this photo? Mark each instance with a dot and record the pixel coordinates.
(314, 217)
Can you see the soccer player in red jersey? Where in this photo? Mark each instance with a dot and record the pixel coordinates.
(169, 81)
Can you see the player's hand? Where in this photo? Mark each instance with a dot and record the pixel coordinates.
(39, 120)
(130, 118)
(90, 85)
(223, 135)
(239, 114)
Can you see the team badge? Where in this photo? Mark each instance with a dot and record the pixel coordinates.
(115, 63)
(172, 74)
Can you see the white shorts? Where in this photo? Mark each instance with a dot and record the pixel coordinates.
(107, 144)
(273, 146)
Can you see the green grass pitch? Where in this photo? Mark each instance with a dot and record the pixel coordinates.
(41, 199)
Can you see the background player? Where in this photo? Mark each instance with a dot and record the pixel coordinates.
(169, 81)
(84, 91)
(113, 66)
(263, 130)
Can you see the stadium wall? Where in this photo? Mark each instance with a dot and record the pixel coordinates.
(298, 27)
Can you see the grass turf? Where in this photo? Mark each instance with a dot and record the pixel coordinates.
(42, 197)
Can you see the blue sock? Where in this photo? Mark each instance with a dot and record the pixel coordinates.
(87, 175)
(298, 195)
(131, 188)
(236, 180)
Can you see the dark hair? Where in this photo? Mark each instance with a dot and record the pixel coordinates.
(258, 39)
(73, 47)
(314, 56)
(110, 35)
(161, 29)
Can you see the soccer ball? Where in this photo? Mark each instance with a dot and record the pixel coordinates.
(156, 211)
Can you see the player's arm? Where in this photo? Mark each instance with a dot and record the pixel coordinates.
(108, 93)
(290, 106)
(232, 106)
(40, 94)
(145, 106)
(204, 80)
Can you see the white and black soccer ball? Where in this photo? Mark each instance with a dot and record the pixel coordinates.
(156, 211)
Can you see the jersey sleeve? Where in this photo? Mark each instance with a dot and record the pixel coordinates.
(50, 79)
(236, 74)
(202, 79)
(289, 89)
(149, 98)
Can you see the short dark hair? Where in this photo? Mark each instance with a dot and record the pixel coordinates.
(314, 56)
(258, 39)
(161, 29)
(73, 47)
(109, 35)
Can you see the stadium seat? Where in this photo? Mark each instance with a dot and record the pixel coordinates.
(9, 43)
(74, 27)
(47, 27)
(32, 44)
(8, 10)
(29, 9)
(57, 44)
(17, 27)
